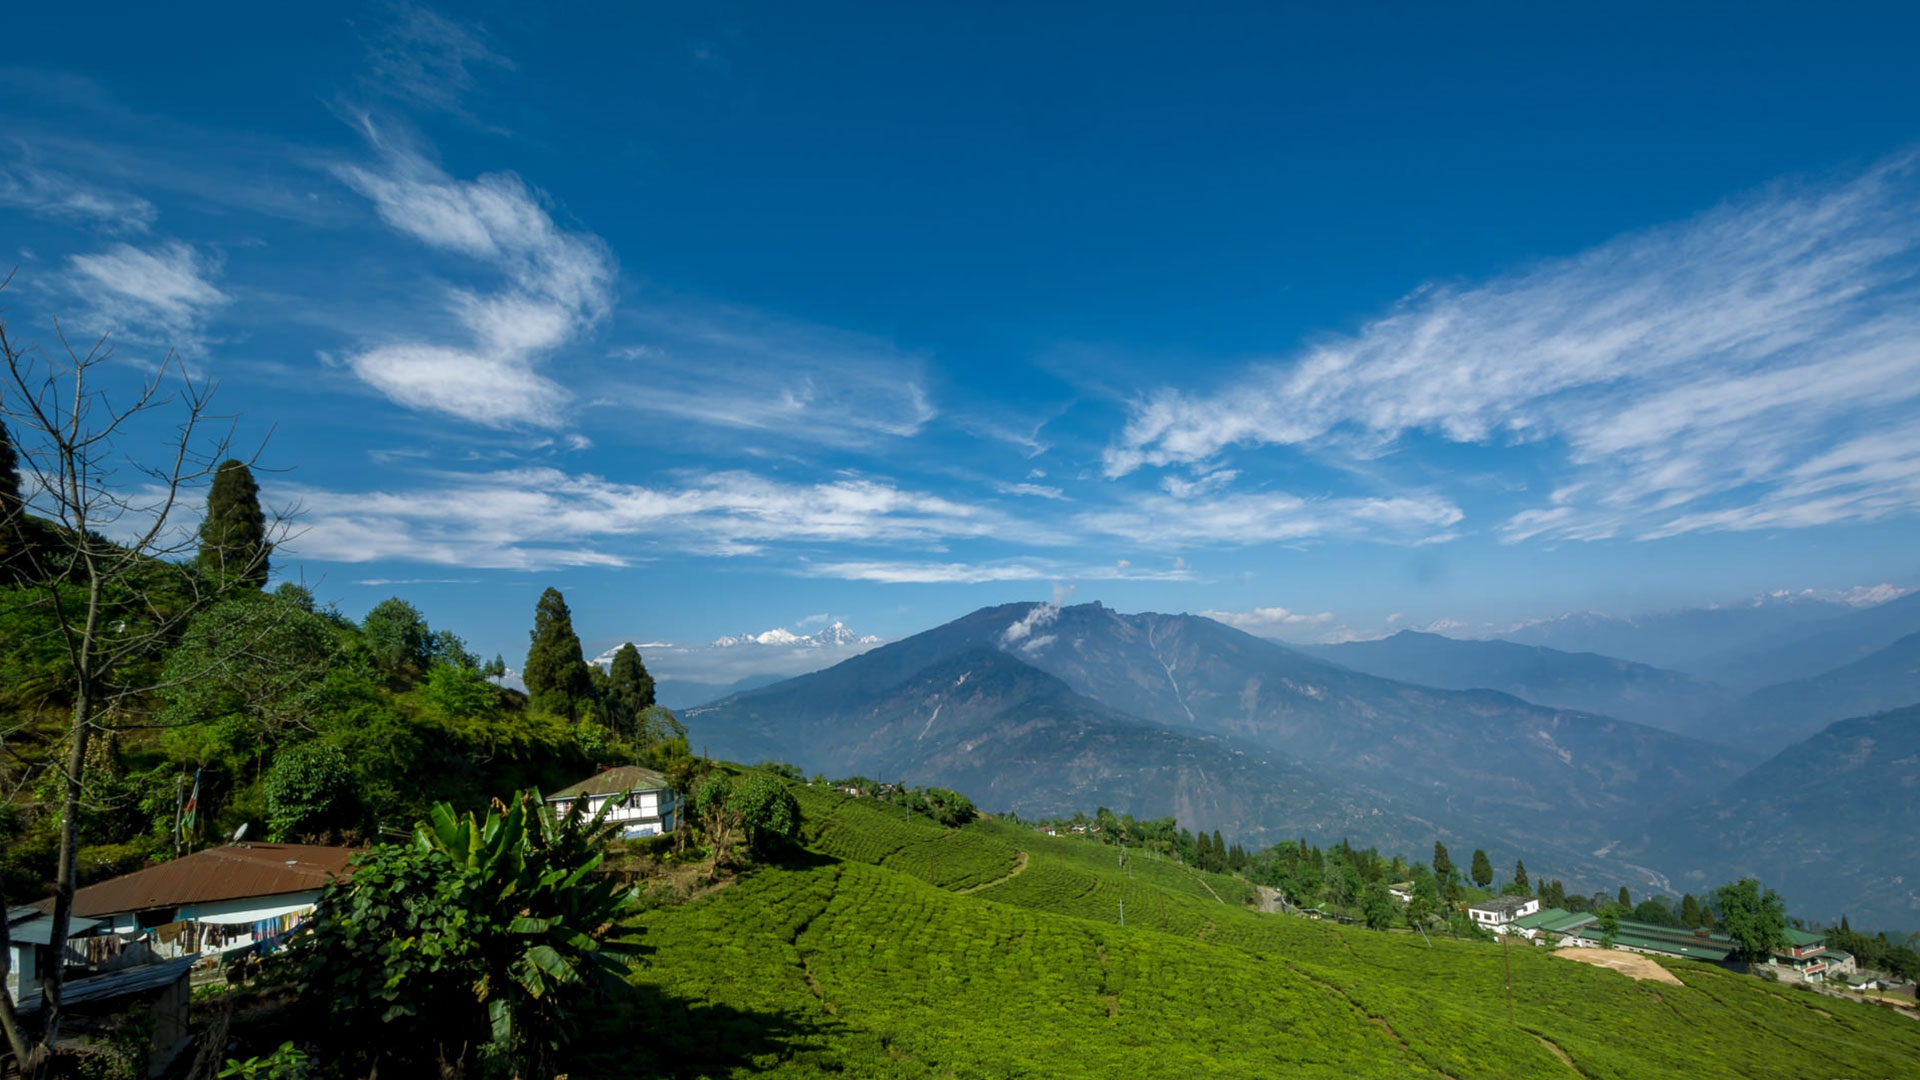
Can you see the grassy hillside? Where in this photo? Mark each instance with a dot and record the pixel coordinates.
(895, 947)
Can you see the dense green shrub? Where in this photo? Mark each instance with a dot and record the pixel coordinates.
(309, 790)
(768, 813)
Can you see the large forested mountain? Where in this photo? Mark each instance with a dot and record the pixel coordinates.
(1014, 737)
(1475, 761)
(1830, 822)
(1588, 682)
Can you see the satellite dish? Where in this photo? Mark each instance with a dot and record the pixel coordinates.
(240, 833)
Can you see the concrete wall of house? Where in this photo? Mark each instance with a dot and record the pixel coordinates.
(645, 813)
(249, 909)
(23, 976)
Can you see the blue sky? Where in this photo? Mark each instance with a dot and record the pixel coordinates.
(728, 317)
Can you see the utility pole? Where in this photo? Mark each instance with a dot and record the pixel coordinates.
(179, 803)
(1123, 913)
(1507, 959)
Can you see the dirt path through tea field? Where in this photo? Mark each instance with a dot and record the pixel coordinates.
(1019, 864)
(1632, 965)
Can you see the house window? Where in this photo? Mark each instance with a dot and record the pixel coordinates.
(147, 920)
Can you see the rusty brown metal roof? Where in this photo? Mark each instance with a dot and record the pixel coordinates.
(233, 872)
(618, 781)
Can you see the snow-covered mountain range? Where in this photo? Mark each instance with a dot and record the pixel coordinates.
(838, 634)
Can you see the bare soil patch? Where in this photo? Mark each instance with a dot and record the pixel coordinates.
(1632, 965)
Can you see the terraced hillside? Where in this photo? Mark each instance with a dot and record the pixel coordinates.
(898, 948)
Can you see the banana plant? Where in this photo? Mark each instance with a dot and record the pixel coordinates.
(560, 915)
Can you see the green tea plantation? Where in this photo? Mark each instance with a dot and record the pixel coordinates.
(894, 947)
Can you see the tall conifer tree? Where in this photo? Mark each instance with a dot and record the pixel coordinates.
(1689, 911)
(9, 475)
(629, 686)
(1625, 900)
(1482, 868)
(233, 537)
(1520, 877)
(556, 672)
(13, 547)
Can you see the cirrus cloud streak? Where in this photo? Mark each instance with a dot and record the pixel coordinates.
(1754, 367)
(541, 517)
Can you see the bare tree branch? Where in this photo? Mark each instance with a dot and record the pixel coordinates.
(99, 590)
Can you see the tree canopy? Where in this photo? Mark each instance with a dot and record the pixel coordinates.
(1754, 918)
(397, 635)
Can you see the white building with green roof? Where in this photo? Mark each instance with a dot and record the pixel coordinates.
(643, 804)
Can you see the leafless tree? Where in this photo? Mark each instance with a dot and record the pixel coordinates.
(109, 560)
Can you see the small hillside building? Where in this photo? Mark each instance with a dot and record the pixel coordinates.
(30, 949)
(642, 803)
(1495, 914)
(221, 900)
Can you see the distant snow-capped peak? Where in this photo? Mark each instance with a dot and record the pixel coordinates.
(837, 634)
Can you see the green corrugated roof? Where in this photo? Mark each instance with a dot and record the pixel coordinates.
(614, 782)
(1702, 949)
(1801, 938)
(1553, 919)
(1541, 916)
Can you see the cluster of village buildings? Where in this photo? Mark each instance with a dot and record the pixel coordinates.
(1806, 956)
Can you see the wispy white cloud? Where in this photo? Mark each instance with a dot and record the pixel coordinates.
(733, 368)
(56, 195)
(1755, 367)
(1037, 491)
(542, 517)
(1244, 518)
(910, 572)
(1181, 488)
(558, 284)
(1264, 619)
(162, 295)
(428, 60)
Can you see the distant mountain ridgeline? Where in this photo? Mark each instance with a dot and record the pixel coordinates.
(1807, 649)
(1775, 717)
(1829, 821)
(1768, 640)
(1584, 681)
(1695, 640)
